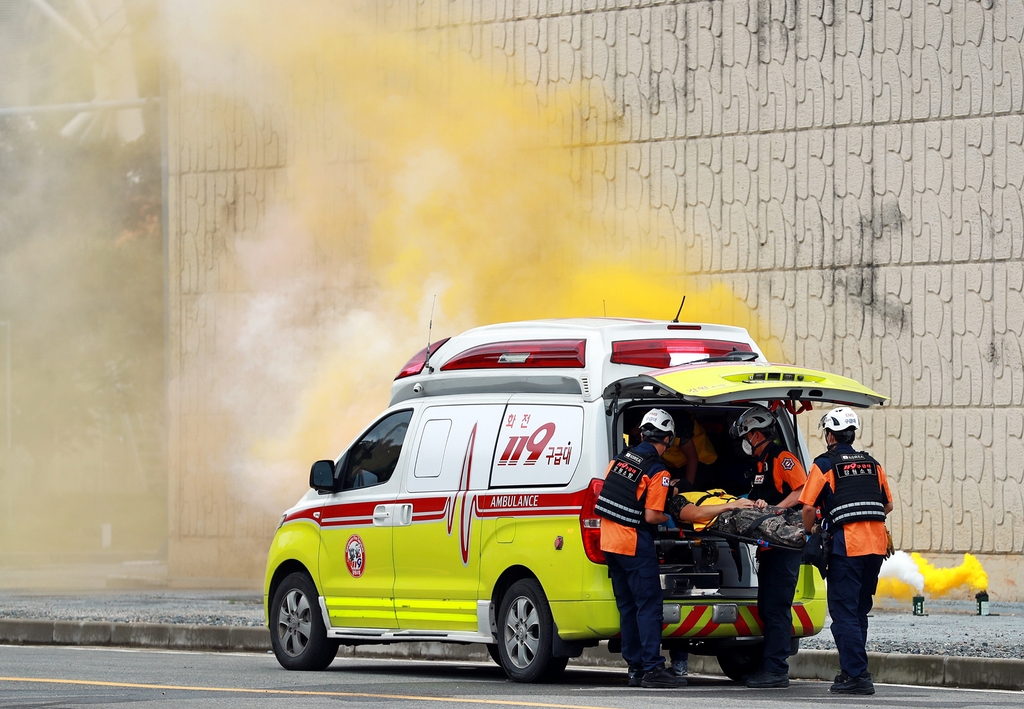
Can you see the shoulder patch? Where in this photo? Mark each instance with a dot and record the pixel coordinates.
(788, 462)
(665, 482)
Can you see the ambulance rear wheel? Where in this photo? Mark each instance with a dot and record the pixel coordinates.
(297, 631)
(525, 632)
(492, 650)
(738, 662)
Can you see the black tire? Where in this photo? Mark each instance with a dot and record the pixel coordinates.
(492, 650)
(742, 660)
(525, 632)
(297, 630)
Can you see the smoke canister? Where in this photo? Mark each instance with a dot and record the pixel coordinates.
(982, 599)
(918, 605)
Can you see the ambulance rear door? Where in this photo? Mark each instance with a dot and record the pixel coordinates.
(733, 383)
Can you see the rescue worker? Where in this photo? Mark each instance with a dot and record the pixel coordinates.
(690, 448)
(679, 660)
(778, 482)
(632, 504)
(853, 493)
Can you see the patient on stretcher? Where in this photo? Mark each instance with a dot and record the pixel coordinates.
(718, 512)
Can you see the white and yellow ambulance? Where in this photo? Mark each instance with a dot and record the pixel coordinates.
(464, 512)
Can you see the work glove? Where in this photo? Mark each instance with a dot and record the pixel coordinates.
(889, 548)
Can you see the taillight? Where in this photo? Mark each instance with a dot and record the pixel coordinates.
(415, 365)
(590, 523)
(659, 354)
(523, 354)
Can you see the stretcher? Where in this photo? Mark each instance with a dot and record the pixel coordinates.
(768, 528)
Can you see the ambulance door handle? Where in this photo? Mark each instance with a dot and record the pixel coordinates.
(382, 515)
(403, 515)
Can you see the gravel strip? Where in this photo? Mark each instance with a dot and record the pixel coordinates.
(950, 628)
(238, 608)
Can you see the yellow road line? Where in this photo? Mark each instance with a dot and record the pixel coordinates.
(297, 692)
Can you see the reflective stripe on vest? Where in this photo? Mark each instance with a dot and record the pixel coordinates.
(858, 496)
(858, 511)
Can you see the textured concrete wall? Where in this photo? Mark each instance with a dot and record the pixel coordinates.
(852, 169)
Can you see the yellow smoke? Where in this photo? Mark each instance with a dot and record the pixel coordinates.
(937, 581)
(505, 203)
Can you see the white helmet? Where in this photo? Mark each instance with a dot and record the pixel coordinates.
(657, 423)
(841, 418)
(756, 418)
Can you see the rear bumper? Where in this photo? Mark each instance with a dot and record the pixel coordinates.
(719, 616)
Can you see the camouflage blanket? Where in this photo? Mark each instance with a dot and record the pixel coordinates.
(772, 526)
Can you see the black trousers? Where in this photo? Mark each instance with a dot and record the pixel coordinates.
(852, 581)
(777, 573)
(636, 581)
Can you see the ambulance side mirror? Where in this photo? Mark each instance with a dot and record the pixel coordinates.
(321, 476)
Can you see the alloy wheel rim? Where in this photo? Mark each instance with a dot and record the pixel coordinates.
(522, 632)
(294, 623)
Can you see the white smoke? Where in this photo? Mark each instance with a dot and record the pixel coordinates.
(901, 566)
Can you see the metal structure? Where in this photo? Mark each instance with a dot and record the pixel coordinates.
(101, 31)
(76, 107)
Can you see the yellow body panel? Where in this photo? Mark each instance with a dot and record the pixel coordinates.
(532, 547)
(364, 601)
(435, 589)
(579, 591)
(723, 383)
(296, 541)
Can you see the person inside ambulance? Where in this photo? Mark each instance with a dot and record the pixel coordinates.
(852, 491)
(690, 456)
(778, 481)
(632, 504)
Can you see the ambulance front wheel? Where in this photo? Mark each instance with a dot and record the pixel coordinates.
(525, 633)
(297, 631)
(740, 661)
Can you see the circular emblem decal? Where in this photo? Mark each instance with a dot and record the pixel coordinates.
(355, 556)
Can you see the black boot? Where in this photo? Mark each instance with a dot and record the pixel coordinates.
(661, 678)
(767, 680)
(845, 684)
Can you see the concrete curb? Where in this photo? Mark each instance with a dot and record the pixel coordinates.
(923, 670)
(143, 635)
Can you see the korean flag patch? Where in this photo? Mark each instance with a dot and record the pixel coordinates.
(665, 482)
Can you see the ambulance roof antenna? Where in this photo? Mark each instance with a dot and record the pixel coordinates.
(426, 362)
(680, 309)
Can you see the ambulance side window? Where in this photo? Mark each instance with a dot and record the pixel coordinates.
(373, 459)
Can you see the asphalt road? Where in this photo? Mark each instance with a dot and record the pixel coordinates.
(97, 677)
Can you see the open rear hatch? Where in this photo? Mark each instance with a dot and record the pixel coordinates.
(711, 383)
(705, 563)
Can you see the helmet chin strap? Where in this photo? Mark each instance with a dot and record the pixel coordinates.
(756, 448)
(830, 440)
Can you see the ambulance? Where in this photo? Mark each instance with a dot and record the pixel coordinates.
(465, 512)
